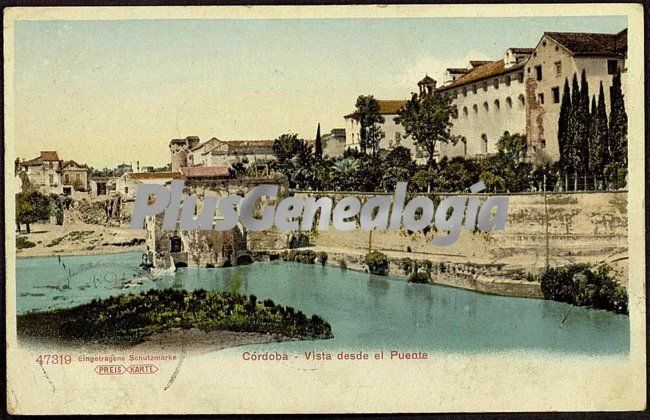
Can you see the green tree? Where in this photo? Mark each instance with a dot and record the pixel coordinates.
(31, 207)
(617, 124)
(294, 158)
(345, 172)
(318, 146)
(513, 146)
(599, 147)
(563, 139)
(428, 120)
(368, 116)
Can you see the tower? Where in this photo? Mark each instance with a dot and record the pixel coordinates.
(427, 85)
(178, 149)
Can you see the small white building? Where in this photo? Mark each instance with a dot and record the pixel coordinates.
(127, 184)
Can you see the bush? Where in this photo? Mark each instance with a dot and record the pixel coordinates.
(418, 277)
(22, 243)
(306, 256)
(127, 319)
(377, 263)
(343, 264)
(322, 257)
(406, 264)
(582, 285)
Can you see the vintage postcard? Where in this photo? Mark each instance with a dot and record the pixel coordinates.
(328, 209)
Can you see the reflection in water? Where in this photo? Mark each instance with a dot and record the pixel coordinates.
(365, 311)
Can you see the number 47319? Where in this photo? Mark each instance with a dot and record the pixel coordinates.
(54, 359)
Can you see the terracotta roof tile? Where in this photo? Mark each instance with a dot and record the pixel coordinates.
(491, 69)
(49, 156)
(153, 175)
(592, 44)
(458, 70)
(204, 171)
(478, 63)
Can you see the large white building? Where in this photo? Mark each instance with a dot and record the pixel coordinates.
(519, 93)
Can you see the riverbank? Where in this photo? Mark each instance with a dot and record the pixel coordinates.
(492, 279)
(80, 239)
(176, 340)
(157, 316)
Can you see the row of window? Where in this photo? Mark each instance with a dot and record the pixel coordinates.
(497, 104)
(612, 67)
(484, 85)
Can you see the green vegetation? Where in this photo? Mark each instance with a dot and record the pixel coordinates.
(73, 236)
(419, 277)
(22, 243)
(377, 263)
(588, 143)
(582, 285)
(322, 257)
(593, 150)
(305, 256)
(127, 319)
(428, 119)
(31, 207)
(343, 264)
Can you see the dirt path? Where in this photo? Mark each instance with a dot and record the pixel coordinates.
(80, 238)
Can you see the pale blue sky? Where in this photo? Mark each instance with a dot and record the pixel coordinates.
(104, 92)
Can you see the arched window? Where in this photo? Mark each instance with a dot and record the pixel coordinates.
(475, 107)
(464, 141)
(507, 80)
(485, 86)
(496, 83)
(486, 106)
(497, 104)
(465, 110)
(484, 143)
(509, 101)
(474, 88)
(522, 100)
(464, 91)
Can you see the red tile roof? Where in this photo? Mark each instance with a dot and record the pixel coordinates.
(491, 69)
(592, 44)
(458, 70)
(240, 144)
(387, 107)
(44, 157)
(153, 175)
(204, 171)
(478, 63)
(49, 156)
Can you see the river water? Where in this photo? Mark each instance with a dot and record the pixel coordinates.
(366, 312)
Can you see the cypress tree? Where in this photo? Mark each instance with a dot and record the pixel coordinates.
(562, 129)
(617, 124)
(575, 132)
(584, 120)
(602, 148)
(593, 140)
(318, 147)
